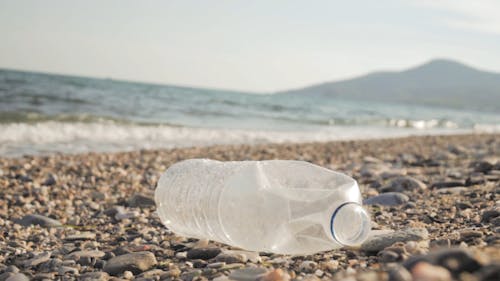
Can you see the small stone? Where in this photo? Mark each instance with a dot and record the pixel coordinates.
(482, 166)
(424, 271)
(84, 254)
(319, 273)
(199, 263)
(372, 170)
(173, 272)
(387, 199)
(17, 277)
(467, 234)
(44, 276)
(371, 160)
(275, 275)
(181, 255)
(190, 275)
(111, 212)
(38, 259)
(229, 258)
(81, 236)
(128, 275)
(457, 149)
(66, 269)
(331, 265)
(463, 205)
(151, 273)
(12, 268)
(308, 266)
(203, 253)
(139, 200)
(233, 266)
(135, 262)
(387, 256)
(6, 275)
(447, 184)
(452, 190)
(490, 272)
(126, 215)
(40, 220)
(94, 276)
(406, 183)
(399, 274)
(51, 180)
(377, 243)
(490, 214)
(216, 265)
(249, 255)
(495, 221)
(456, 261)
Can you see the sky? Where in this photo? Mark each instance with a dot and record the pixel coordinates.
(258, 46)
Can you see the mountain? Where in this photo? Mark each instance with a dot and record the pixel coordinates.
(438, 82)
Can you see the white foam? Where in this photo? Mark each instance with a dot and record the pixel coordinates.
(48, 137)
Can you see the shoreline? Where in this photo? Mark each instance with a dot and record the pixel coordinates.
(11, 155)
(72, 138)
(439, 194)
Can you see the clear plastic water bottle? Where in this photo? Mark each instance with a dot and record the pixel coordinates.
(279, 206)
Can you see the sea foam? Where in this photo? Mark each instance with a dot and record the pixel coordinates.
(49, 137)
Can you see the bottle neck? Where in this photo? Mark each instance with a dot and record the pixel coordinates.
(350, 224)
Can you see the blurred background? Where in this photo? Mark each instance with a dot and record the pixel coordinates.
(126, 75)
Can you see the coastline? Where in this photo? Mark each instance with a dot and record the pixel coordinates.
(103, 204)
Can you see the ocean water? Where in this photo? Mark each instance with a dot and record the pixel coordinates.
(43, 114)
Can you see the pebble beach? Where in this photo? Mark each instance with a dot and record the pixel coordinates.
(434, 203)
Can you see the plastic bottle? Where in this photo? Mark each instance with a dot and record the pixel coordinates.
(279, 206)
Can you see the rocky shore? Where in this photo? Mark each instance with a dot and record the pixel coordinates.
(434, 202)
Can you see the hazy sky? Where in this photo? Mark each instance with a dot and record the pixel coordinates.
(258, 45)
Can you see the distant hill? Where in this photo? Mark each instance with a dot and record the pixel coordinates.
(438, 82)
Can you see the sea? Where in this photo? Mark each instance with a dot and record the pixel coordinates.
(46, 113)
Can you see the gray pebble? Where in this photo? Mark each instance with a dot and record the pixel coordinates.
(38, 259)
(38, 220)
(447, 184)
(94, 276)
(456, 261)
(203, 253)
(308, 266)
(387, 256)
(490, 214)
(387, 199)
(6, 275)
(135, 262)
(66, 269)
(81, 236)
(452, 190)
(482, 166)
(406, 183)
(51, 180)
(379, 242)
(190, 275)
(84, 254)
(468, 234)
(151, 273)
(44, 276)
(139, 200)
(216, 265)
(399, 274)
(248, 274)
(17, 277)
(229, 258)
(12, 268)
